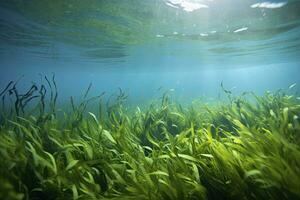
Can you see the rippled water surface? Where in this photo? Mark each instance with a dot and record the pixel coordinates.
(99, 29)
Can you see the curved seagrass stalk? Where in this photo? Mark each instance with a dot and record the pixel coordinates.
(227, 92)
(51, 89)
(56, 91)
(6, 88)
(120, 98)
(53, 93)
(87, 91)
(14, 91)
(27, 97)
(114, 110)
(2, 96)
(79, 110)
(42, 92)
(2, 113)
(165, 99)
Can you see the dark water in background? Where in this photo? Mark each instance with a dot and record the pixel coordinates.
(190, 46)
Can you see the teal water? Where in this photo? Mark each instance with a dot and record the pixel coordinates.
(190, 46)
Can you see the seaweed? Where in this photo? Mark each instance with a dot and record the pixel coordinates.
(242, 149)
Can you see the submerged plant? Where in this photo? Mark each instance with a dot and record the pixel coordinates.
(238, 150)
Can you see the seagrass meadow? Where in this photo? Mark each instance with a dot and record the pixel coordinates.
(243, 148)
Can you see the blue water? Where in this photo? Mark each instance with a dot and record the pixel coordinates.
(189, 46)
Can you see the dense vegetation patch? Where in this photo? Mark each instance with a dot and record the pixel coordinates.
(242, 149)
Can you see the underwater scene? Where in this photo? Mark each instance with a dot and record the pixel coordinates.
(150, 99)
